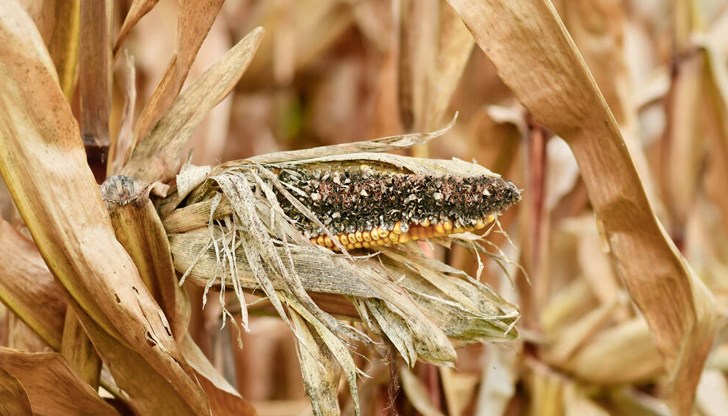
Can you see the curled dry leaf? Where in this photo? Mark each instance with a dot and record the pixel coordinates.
(51, 386)
(156, 156)
(193, 22)
(76, 240)
(539, 62)
(25, 282)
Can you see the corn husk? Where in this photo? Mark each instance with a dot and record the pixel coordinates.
(229, 234)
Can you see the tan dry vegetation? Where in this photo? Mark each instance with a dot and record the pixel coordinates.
(612, 116)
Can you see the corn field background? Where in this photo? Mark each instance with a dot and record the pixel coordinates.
(605, 295)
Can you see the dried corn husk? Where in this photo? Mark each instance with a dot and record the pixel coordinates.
(229, 232)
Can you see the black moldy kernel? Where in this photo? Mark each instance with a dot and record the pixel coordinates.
(362, 199)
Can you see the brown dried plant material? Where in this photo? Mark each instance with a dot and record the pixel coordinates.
(44, 165)
(715, 87)
(417, 393)
(17, 402)
(547, 389)
(58, 24)
(194, 20)
(157, 156)
(430, 74)
(95, 80)
(638, 361)
(121, 142)
(249, 243)
(224, 399)
(139, 230)
(138, 9)
(684, 142)
(52, 388)
(78, 350)
(25, 283)
(539, 62)
(300, 33)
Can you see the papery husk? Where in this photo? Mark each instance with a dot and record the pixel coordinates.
(241, 240)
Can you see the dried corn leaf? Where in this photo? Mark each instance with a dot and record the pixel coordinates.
(417, 393)
(58, 24)
(224, 399)
(430, 74)
(638, 359)
(138, 9)
(139, 230)
(78, 350)
(301, 31)
(498, 383)
(94, 82)
(52, 388)
(539, 62)
(25, 283)
(194, 20)
(156, 157)
(44, 166)
(15, 400)
(715, 87)
(124, 139)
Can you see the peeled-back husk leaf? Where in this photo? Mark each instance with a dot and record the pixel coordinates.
(535, 57)
(318, 369)
(44, 165)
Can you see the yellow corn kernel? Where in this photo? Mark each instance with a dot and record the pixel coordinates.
(383, 233)
(404, 237)
(425, 223)
(367, 236)
(375, 233)
(397, 227)
(365, 244)
(313, 240)
(357, 245)
(352, 238)
(350, 246)
(343, 239)
(393, 237)
(439, 228)
(358, 236)
(328, 242)
(320, 240)
(480, 224)
(447, 225)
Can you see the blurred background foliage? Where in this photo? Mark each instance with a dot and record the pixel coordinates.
(335, 71)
